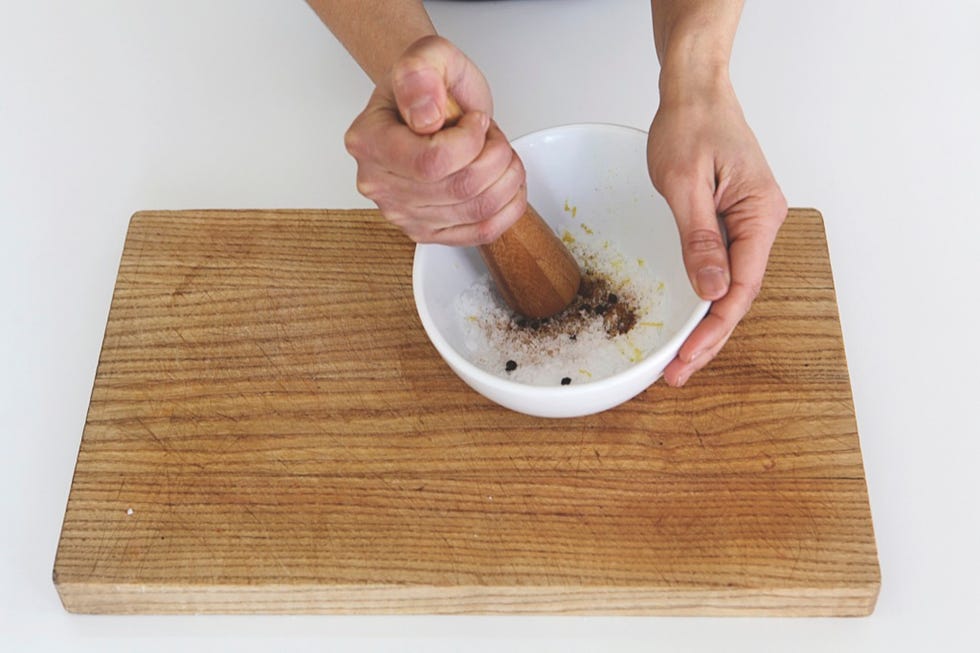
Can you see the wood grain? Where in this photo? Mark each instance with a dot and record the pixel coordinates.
(270, 431)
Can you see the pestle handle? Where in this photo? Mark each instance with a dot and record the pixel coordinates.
(533, 270)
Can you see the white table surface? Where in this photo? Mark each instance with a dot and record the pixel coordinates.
(868, 111)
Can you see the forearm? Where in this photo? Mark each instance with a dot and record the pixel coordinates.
(694, 42)
(375, 32)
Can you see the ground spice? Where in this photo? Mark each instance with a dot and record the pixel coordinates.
(612, 323)
(594, 298)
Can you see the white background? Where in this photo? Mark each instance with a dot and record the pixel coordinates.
(868, 111)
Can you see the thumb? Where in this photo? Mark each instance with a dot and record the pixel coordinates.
(705, 253)
(424, 78)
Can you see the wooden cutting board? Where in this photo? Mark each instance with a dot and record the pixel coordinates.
(270, 431)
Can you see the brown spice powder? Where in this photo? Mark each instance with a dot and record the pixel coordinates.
(595, 298)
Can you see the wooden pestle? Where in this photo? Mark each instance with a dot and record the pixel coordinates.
(533, 270)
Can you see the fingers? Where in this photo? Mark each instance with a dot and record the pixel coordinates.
(430, 70)
(711, 334)
(485, 231)
(378, 138)
(752, 232)
(465, 183)
(409, 187)
(420, 95)
(705, 255)
(472, 220)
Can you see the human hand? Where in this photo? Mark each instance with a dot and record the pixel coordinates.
(705, 161)
(462, 185)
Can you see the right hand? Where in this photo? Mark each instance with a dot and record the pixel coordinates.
(462, 185)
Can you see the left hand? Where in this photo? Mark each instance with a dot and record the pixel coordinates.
(706, 162)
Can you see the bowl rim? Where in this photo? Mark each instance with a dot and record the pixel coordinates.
(632, 374)
(577, 126)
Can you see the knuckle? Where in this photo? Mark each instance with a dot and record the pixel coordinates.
(428, 42)
(508, 188)
(432, 163)
(396, 218)
(776, 204)
(498, 149)
(752, 290)
(353, 143)
(515, 168)
(491, 229)
(417, 230)
(464, 184)
(367, 188)
(420, 234)
(675, 180)
(486, 232)
(485, 205)
(518, 166)
(781, 208)
(677, 176)
(704, 240)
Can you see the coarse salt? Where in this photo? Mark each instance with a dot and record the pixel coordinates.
(496, 338)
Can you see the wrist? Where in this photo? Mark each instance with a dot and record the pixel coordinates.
(694, 80)
(694, 41)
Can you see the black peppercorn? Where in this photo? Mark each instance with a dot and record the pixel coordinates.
(510, 366)
(566, 380)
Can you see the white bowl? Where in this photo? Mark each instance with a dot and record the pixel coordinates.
(600, 171)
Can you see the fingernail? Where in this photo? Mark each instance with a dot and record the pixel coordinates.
(712, 283)
(423, 113)
(682, 379)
